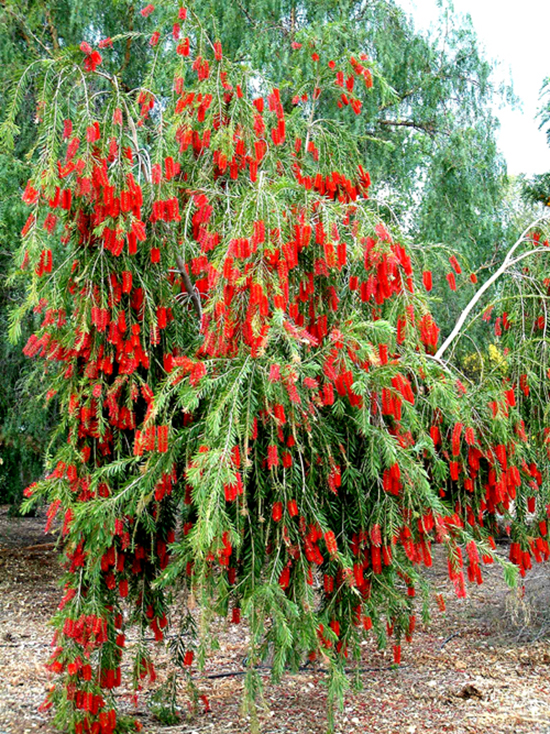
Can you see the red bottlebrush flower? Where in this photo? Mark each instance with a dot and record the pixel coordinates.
(274, 373)
(218, 51)
(138, 230)
(427, 280)
(93, 133)
(469, 436)
(28, 225)
(455, 441)
(236, 615)
(277, 511)
(30, 195)
(397, 654)
(375, 534)
(183, 47)
(188, 658)
(401, 327)
(284, 578)
(292, 508)
(523, 385)
(85, 48)
(451, 281)
(230, 492)
(147, 10)
(162, 439)
(197, 373)
(92, 61)
(126, 281)
(454, 468)
(170, 168)
(330, 541)
(335, 479)
(382, 232)
(473, 554)
(455, 265)
(28, 491)
(286, 459)
(335, 627)
(154, 38)
(473, 278)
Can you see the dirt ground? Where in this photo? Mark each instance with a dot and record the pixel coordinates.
(482, 668)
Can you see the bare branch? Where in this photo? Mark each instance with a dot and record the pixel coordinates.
(425, 127)
(508, 262)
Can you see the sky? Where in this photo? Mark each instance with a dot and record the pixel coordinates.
(516, 36)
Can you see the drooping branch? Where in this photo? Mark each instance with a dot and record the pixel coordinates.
(189, 287)
(508, 262)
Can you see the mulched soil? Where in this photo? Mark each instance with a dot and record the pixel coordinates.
(481, 668)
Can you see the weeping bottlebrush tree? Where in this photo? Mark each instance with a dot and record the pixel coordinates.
(252, 408)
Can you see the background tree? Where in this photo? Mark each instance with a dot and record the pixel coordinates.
(537, 189)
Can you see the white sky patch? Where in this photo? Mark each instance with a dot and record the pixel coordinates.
(517, 36)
